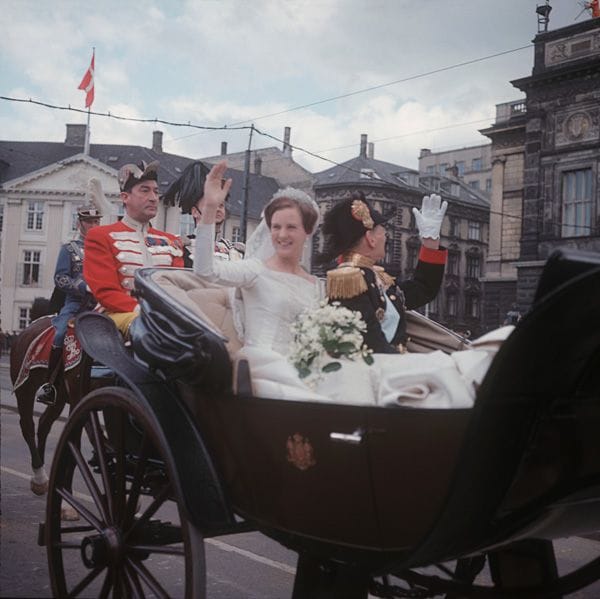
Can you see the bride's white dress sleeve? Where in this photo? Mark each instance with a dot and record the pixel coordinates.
(235, 273)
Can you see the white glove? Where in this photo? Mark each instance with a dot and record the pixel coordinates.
(429, 218)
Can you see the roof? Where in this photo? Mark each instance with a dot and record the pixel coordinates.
(356, 171)
(467, 195)
(19, 158)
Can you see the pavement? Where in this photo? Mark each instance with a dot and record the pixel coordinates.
(8, 398)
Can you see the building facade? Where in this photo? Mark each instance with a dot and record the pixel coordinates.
(506, 211)
(395, 190)
(472, 164)
(43, 183)
(546, 166)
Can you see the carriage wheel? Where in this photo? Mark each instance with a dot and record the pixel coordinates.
(133, 539)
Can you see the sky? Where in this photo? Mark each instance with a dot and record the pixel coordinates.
(270, 63)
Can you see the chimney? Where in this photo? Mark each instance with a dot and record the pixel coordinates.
(287, 150)
(157, 141)
(371, 150)
(75, 135)
(363, 145)
(223, 148)
(424, 152)
(258, 165)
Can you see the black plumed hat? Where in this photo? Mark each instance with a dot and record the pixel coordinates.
(188, 188)
(346, 222)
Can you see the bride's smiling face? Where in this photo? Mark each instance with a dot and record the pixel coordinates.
(287, 233)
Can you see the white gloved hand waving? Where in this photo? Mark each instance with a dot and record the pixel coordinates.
(429, 219)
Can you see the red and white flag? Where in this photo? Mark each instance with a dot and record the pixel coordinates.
(87, 83)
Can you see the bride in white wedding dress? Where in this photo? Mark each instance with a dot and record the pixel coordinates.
(275, 289)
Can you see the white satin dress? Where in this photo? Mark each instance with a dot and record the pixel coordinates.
(270, 303)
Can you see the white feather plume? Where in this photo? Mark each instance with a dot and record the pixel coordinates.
(98, 199)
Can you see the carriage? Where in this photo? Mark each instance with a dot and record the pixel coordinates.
(179, 451)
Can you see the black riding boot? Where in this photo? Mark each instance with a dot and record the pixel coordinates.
(46, 394)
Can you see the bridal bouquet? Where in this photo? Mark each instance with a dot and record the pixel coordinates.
(321, 337)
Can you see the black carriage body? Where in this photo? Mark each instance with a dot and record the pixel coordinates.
(407, 485)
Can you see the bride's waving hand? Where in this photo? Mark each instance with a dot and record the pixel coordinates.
(216, 188)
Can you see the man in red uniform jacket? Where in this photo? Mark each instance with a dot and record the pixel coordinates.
(114, 252)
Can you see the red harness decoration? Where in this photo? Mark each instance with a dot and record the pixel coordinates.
(38, 353)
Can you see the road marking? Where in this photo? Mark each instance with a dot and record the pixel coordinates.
(28, 477)
(218, 544)
(15, 472)
(253, 556)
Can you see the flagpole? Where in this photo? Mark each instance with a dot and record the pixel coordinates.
(86, 147)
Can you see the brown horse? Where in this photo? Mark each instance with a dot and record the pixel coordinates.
(70, 387)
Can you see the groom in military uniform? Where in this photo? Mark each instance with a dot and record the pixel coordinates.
(355, 234)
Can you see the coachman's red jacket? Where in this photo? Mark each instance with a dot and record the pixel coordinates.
(114, 252)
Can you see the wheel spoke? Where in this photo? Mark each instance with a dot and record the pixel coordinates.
(106, 586)
(100, 448)
(151, 509)
(162, 549)
(120, 431)
(63, 545)
(81, 509)
(136, 485)
(85, 582)
(145, 575)
(137, 592)
(73, 529)
(89, 481)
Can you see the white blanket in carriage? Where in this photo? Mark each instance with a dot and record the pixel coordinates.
(434, 380)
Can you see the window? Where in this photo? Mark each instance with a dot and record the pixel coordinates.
(474, 184)
(35, 216)
(23, 318)
(473, 266)
(31, 268)
(453, 263)
(461, 168)
(1, 217)
(412, 257)
(443, 168)
(451, 303)
(472, 304)
(476, 164)
(488, 185)
(577, 203)
(433, 305)
(368, 173)
(454, 226)
(413, 223)
(236, 234)
(430, 170)
(74, 219)
(186, 225)
(474, 230)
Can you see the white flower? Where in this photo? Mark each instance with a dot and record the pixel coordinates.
(331, 331)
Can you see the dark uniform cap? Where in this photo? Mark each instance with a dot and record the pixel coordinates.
(347, 221)
(132, 174)
(88, 212)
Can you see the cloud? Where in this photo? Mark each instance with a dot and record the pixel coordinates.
(216, 62)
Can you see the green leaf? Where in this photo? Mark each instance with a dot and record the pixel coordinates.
(368, 358)
(331, 367)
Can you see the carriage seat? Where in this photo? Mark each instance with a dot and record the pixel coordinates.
(211, 303)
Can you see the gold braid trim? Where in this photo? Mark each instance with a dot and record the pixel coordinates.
(345, 282)
(383, 276)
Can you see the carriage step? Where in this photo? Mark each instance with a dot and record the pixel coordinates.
(41, 540)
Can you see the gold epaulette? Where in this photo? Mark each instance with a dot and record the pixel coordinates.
(383, 276)
(345, 282)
